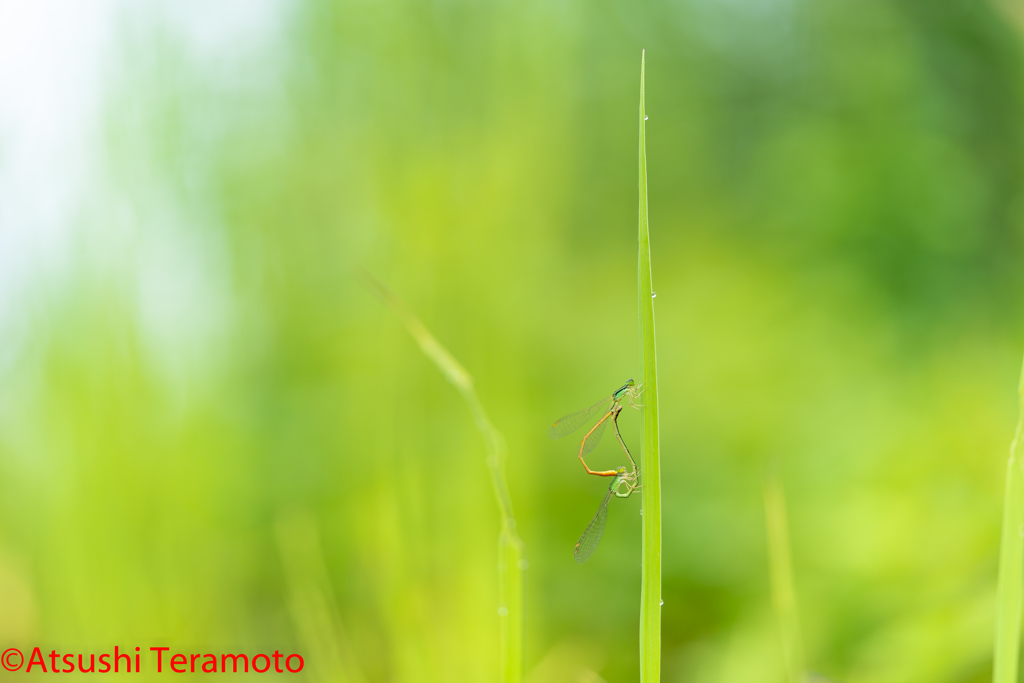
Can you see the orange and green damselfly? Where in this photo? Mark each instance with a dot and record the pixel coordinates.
(608, 409)
(623, 485)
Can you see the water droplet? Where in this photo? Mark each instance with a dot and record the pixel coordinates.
(503, 611)
(662, 602)
(645, 117)
(523, 564)
(654, 295)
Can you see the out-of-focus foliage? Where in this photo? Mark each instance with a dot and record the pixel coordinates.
(836, 221)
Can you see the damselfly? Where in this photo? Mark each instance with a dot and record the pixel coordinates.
(623, 485)
(608, 409)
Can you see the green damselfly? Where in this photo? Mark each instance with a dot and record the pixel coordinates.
(623, 485)
(608, 408)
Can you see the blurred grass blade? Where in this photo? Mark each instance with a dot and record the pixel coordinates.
(570, 661)
(650, 590)
(311, 601)
(781, 574)
(1011, 554)
(511, 551)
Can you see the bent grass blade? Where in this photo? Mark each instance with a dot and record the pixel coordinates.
(511, 550)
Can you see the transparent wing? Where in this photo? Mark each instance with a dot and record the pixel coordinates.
(587, 544)
(573, 421)
(594, 437)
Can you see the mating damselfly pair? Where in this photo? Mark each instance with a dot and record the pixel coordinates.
(625, 480)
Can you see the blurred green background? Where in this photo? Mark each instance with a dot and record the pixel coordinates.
(213, 437)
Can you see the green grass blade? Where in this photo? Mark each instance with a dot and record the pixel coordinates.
(511, 551)
(312, 603)
(780, 569)
(1011, 555)
(650, 591)
(511, 565)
